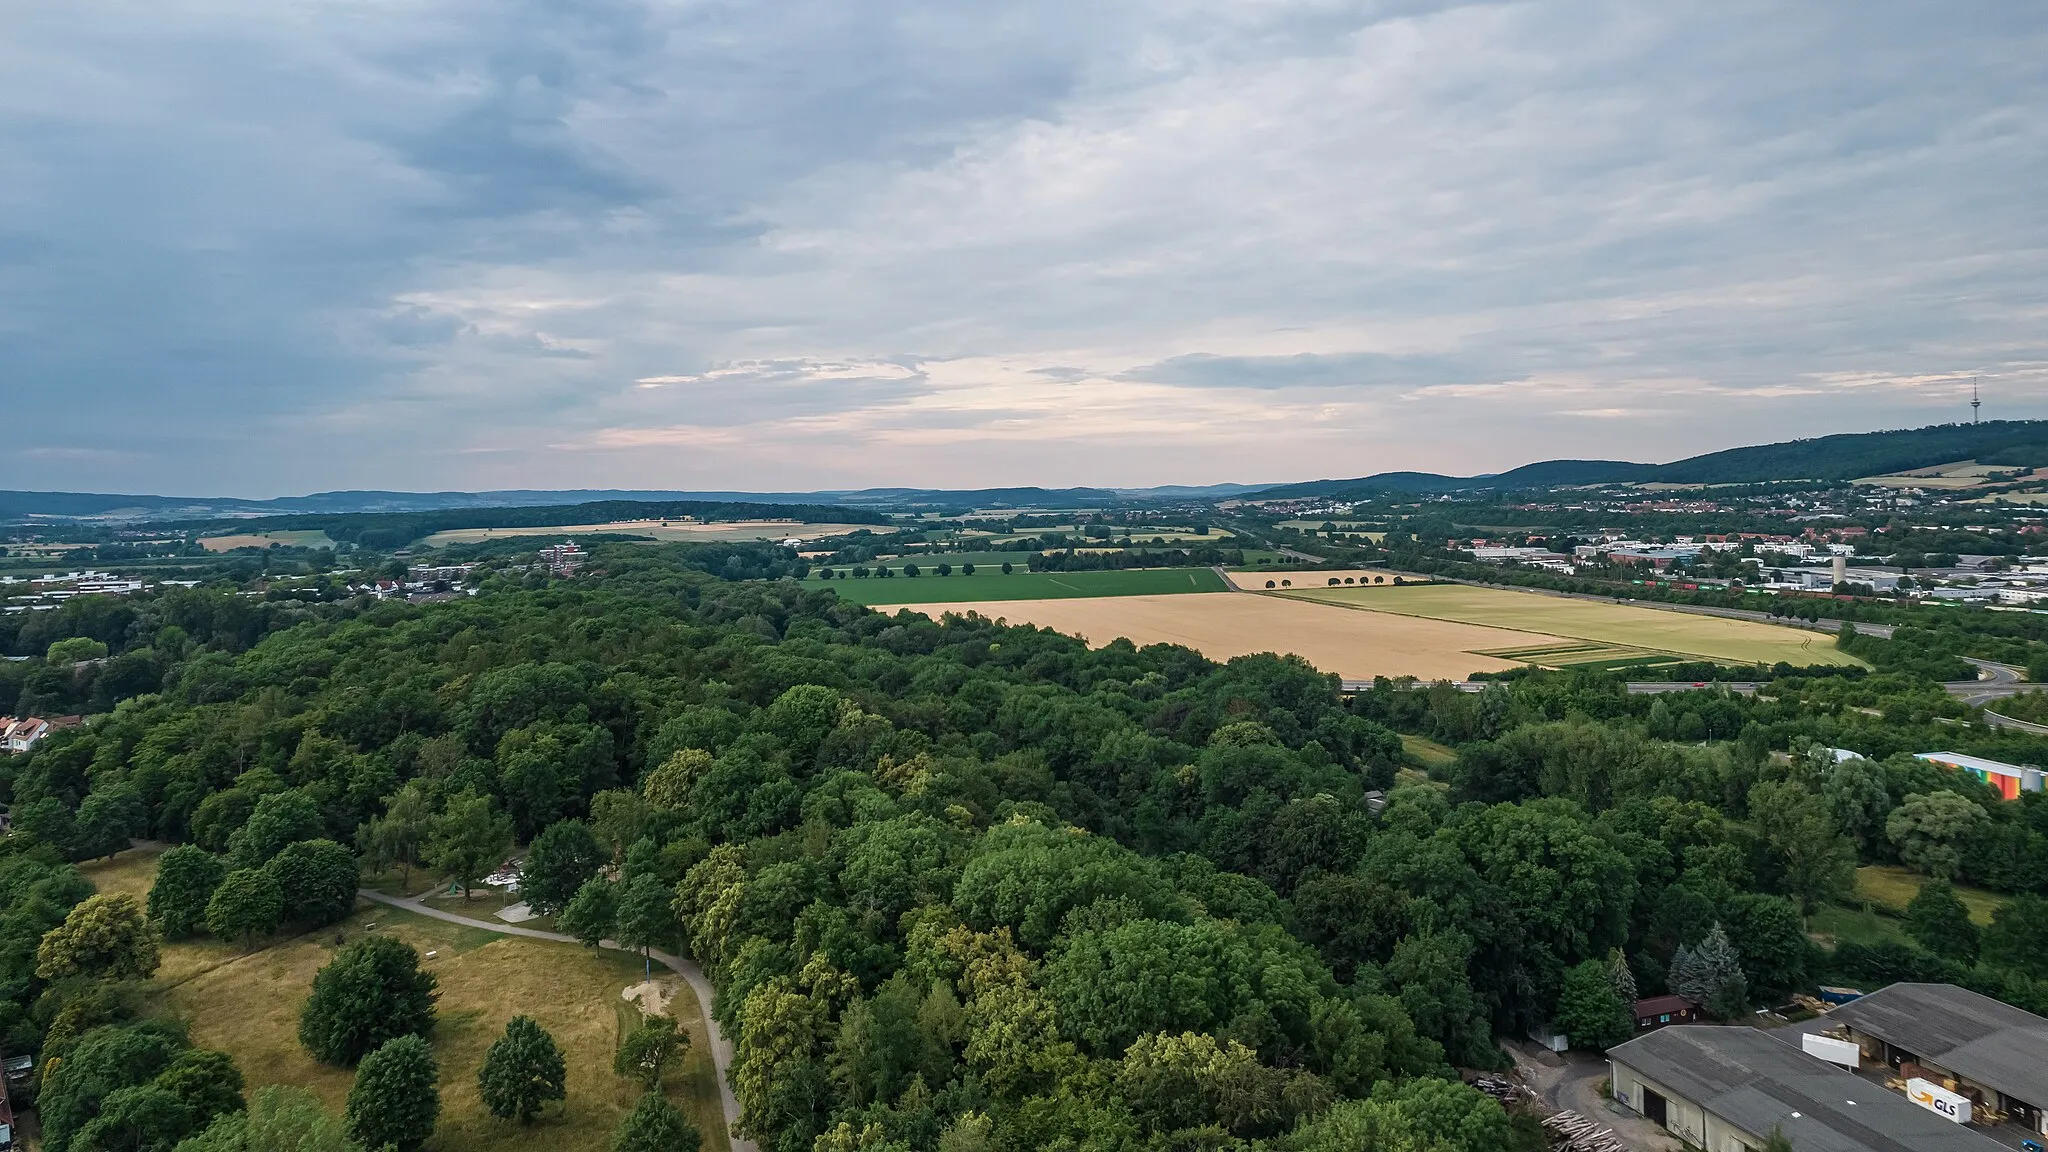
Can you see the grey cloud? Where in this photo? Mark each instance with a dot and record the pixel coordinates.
(1302, 370)
(255, 248)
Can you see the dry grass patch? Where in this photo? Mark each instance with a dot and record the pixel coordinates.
(130, 873)
(249, 1006)
(247, 1003)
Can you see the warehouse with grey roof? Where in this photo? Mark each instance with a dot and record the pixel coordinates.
(1728, 1089)
(1986, 1050)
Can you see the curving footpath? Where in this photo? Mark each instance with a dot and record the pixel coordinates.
(721, 1050)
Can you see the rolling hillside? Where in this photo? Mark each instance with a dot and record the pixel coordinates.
(1842, 457)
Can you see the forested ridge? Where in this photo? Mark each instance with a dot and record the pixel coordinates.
(966, 886)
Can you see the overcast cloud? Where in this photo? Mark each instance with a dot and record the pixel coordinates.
(262, 248)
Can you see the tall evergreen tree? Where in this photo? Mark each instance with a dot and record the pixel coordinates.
(1621, 976)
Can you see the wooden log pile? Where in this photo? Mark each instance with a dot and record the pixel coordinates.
(1571, 1132)
(1503, 1089)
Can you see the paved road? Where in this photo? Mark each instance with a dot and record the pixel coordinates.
(1997, 721)
(1881, 631)
(1976, 693)
(721, 1050)
(1571, 1082)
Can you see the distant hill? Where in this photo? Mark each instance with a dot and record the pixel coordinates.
(1842, 457)
(1852, 455)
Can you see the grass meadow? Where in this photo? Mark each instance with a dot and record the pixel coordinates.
(1891, 887)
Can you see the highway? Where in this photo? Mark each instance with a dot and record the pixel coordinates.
(1997, 682)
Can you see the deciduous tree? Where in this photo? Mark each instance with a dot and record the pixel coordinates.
(522, 1072)
(279, 1119)
(644, 917)
(469, 839)
(246, 903)
(654, 1125)
(395, 1100)
(649, 1049)
(1589, 1010)
(594, 912)
(1816, 863)
(373, 991)
(105, 938)
(557, 863)
(186, 876)
(1930, 829)
(279, 818)
(400, 834)
(2018, 937)
(1939, 922)
(318, 879)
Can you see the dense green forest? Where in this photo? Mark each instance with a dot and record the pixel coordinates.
(963, 886)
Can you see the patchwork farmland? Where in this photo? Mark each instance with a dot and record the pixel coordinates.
(1442, 631)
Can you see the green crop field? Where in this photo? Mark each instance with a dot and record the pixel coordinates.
(1647, 630)
(990, 584)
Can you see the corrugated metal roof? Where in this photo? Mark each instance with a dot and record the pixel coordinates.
(1972, 1035)
(1960, 760)
(1753, 1082)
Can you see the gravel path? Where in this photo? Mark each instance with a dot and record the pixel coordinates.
(721, 1049)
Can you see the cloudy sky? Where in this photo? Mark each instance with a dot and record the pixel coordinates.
(257, 247)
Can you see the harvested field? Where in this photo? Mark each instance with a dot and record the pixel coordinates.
(659, 530)
(1356, 645)
(1621, 626)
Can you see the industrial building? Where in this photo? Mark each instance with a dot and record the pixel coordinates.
(1727, 1089)
(2009, 779)
(1984, 1050)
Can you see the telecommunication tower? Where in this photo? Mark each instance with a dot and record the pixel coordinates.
(1975, 403)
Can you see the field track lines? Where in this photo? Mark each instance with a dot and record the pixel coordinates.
(1297, 596)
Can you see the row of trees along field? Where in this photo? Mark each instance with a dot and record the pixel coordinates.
(962, 886)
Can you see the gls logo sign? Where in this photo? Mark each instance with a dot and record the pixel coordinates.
(1938, 1100)
(1929, 1100)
